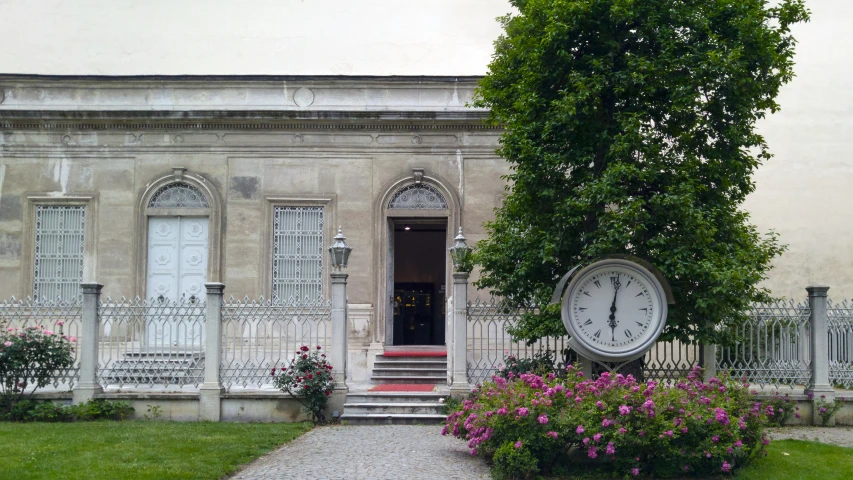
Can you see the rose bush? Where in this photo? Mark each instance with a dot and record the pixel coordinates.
(309, 380)
(30, 359)
(530, 425)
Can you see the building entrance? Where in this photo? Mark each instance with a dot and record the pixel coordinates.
(420, 256)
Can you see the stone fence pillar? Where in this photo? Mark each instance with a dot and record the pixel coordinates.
(211, 390)
(88, 386)
(819, 325)
(338, 350)
(459, 378)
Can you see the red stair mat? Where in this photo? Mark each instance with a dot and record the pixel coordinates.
(402, 387)
(414, 353)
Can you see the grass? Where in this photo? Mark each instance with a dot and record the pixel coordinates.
(805, 461)
(135, 450)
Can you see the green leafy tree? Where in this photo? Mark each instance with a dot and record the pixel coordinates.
(630, 128)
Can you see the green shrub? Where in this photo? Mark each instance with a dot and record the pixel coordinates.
(540, 363)
(514, 460)
(783, 407)
(309, 380)
(622, 426)
(47, 411)
(30, 359)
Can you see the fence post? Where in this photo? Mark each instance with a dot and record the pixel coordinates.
(818, 323)
(87, 386)
(338, 352)
(459, 379)
(709, 361)
(210, 392)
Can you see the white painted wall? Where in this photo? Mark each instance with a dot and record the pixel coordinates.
(805, 193)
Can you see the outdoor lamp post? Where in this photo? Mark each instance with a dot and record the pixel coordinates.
(340, 250)
(459, 254)
(460, 251)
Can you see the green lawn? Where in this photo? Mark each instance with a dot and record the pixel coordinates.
(135, 449)
(805, 461)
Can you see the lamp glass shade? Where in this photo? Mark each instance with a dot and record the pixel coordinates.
(340, 251)
(460, 251)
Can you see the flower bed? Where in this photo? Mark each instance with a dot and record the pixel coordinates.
(532, 425)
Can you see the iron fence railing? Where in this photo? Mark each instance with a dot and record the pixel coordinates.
(151, 342)
(771, 348)
(259, 335)
(53, 315)
(840, 348)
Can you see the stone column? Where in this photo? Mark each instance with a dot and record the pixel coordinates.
(338, 350)
(210, 392)
(818, 323)
(87, 386)
(459, 379)
(709, 362)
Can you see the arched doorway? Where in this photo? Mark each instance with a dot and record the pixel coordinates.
(418, 216)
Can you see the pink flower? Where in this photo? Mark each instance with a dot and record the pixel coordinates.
(606, 423)
(635, 471)
(586, 441)
(578, 431)
(521, 411)
(60, 323)
(610, 448)
(623, 430)
(543, 419)
(668, 433)
(592, 452)
(726, 467)
(518, 444)
(552, 434)
(738, 444)
(72, 339)
(8, 344)
(715, 438)
(596, 437)
(624, 410)
(47, 332)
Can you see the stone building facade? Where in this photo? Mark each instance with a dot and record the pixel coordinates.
(154, 185)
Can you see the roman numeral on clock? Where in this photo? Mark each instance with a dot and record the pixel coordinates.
(597, 283)
(640, 324)
(597, 334)
(637, 295)
(645, 310)
(628, 333)
(588, 322)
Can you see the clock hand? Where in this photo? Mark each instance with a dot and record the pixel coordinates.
(612, 322)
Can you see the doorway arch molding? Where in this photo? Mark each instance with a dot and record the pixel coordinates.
(383, 328)
(213, 212)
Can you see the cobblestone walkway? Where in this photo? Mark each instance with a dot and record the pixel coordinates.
(841, 436)
(369, 452)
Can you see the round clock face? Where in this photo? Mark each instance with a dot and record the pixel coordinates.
(614, 308)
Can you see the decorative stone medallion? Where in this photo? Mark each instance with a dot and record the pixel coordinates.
(303, 97)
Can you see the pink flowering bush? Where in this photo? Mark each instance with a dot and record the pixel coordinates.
(309, 380)
(613, 424)
(30, 359)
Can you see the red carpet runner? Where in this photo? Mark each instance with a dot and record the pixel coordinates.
(403, 387)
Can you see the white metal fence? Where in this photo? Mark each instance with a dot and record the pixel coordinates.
(259, 335)
(151, 342)
(771, 349)
(53, 315)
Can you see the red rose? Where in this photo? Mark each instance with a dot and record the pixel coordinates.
(328, 394)
(304, 348)
(273, 372)
(304, 356)
(319, 347)
(310, 376)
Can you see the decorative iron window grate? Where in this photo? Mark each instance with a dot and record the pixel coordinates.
(297, 269)
(178, 195)
(418, 197)
(59, 249)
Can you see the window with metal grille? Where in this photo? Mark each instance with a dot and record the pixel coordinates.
(418, 197)
(59, 247)
(297, 269)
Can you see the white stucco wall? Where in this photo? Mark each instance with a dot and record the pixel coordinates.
(805, 193)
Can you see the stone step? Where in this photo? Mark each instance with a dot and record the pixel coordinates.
(410, 379)
(410, 372)
(442, 365)
(392, 419)
(394, 407)
(395, 397)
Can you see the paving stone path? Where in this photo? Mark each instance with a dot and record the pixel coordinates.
(841, 436)
(369, 452)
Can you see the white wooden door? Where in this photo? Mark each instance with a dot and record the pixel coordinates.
(177, 271)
